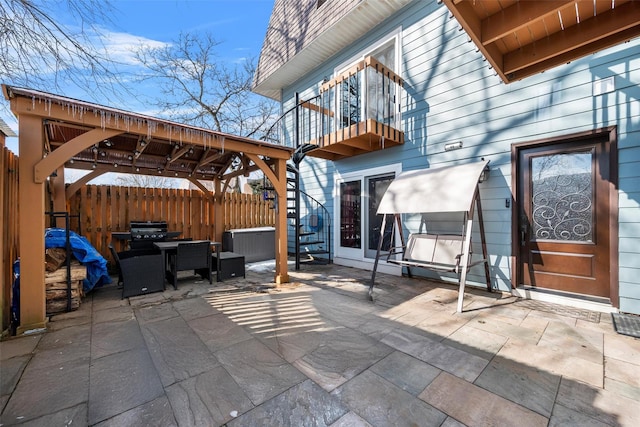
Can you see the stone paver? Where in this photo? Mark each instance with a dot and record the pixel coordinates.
(475, 406)
(406, 372)
(351, 419)
(47, 390)
(260, 372)
(158, 412)
(74, 416)
(10, 374)
(528, 386)
(602, 405)
(305, 404)
(191, 399)
(18, 346)
(318, 352)
(194, 308)
(113, 337)
(176, 350)
(445, 357)
(381, 403)
(342, 355)
(120, 382)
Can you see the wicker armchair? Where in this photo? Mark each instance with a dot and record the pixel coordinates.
(140, 273)
(190, 256)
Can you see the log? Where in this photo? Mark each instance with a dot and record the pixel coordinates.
(75, 284)
(61, 294)
(78, 272)
(60, 305)
(54, 258)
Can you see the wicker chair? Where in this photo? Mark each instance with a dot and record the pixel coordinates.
(140, 273)
(116, 260)
(190, 256)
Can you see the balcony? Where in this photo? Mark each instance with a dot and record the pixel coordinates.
(357, 112)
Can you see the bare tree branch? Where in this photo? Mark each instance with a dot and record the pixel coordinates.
(147, 181)
(37, 51)
(197, 87)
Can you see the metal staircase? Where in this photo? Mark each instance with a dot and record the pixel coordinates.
(309, 221)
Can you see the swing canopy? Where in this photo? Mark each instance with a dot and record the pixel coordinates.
(444, 189)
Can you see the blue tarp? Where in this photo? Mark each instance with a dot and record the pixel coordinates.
(97, 274)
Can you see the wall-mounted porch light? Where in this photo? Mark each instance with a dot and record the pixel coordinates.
(453, 146)
(486, 172)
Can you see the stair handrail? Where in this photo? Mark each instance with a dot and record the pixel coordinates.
(327, 218)
(267, 135)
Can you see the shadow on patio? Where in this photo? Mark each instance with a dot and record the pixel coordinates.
(317, 352)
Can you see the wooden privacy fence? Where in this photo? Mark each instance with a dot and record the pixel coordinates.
(9, 232)
(105, 209)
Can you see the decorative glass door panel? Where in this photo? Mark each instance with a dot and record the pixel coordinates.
(562, 197)
(350, 215)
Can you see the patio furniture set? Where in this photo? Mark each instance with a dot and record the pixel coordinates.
(154, 258)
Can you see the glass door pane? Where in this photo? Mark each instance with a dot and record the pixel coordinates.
(376, 187)
(562, 197)
(350, 221)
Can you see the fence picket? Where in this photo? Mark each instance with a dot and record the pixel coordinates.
(105, 209)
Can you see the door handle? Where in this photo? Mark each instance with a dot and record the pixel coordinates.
(524, 228)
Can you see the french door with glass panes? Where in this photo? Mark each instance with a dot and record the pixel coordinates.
(359, 227)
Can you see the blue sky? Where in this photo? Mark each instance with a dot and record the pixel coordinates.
(240, 26)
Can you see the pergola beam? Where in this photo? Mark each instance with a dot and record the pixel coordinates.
(158, 128)
(58, 157)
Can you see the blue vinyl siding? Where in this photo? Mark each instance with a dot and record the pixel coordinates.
(451, 94)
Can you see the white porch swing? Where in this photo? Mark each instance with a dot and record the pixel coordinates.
(452, 189)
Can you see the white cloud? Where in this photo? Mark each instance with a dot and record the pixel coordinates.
(121, 47)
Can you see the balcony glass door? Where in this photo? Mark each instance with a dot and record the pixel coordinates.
(375, 101)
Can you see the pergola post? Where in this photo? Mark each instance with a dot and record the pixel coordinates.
(31, 228)
(58, 195)
(218, 214)
(280, 185)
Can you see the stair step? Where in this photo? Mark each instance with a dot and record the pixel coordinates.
(307, 233)
(315, 252)
(291, 215)
(311, 242)
(318, 252)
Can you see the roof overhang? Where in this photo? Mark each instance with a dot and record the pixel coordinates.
(521, 38)
(443, 189)
(83, 135)
(354, 24)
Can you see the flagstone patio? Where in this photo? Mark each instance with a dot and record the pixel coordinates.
(317, 352)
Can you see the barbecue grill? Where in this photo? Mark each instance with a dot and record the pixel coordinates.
(144, 233)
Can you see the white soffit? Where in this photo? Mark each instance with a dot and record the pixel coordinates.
(444, 189)
(358, 22)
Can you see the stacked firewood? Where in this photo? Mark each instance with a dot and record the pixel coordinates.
(55, 280)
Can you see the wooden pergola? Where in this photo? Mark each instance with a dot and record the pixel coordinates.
(57, 132)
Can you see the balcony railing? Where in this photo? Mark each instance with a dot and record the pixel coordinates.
(356, 112)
